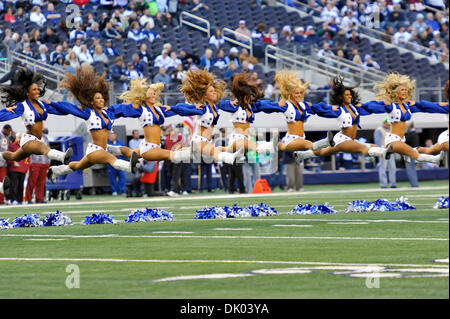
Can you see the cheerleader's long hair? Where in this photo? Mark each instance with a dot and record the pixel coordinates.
(85, 84)
(387, 90)
(338, 89)
(196, 83)
(288, 82)
(139, 91)
(24, 78)
(241, 89)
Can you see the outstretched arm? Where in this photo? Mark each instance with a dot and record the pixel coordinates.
(428, 107)
(227, 106)
(376, 107)
(323, 110)
(66, 108)
(185, 109)
(116, 111)
(267, 106)
(11, 113)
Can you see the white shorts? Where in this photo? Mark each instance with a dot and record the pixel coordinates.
(390, 138)
(92, 148)
(236, 137)
(199, 138)
(443, 137)
(146, 146)
(340, 138)
(26, 138)
(288, 138)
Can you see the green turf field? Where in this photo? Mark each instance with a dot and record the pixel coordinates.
(345, 255)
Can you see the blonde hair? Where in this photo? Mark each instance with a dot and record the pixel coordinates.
(196, 83)
(288, 82)
(139, 91)
(387, 90)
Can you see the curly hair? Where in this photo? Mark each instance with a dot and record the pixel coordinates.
(196, 83)
(288, 82)
(13, 94)
(446, 90)
(338, 90)
(139, 91)
(241, 89)
(85, 84)
(387, 90)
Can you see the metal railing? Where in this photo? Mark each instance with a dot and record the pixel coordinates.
(248, 45)
(183, 20)
(373, 34)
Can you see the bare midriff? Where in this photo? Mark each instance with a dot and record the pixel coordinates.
(350, 131)
(152, 134)
(398, 128)
(296, 128)
(100, 137)
(206, 132)
(36, 129)
(241, 128)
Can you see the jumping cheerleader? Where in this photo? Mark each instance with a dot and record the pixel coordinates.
(442, 144)
(343, 100)
(200, 87)
(143, 102)
(92, 92)
(22, 100)
(394, 97)
(296, 112)
(243, 111)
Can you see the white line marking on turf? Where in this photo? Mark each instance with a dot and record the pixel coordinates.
(45, 239)
(172, 232)
(234, 237)
(209, 276)
(195, 261)
(241, 196)
(293, 225)
(442, 260)
(233, 228)
(348, 223)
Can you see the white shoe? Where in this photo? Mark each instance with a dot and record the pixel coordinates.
(15, 203)
(172, 194)
(290, 190)
(185, 193)
(323, 143)
(114, 194)
(300, 156)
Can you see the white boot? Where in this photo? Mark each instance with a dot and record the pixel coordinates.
(382, 152)
(60, 156)
(129, 167)
(231, 158)
(113, 149)
(328, 141)
(435, 159)
(300, 156)
(182, 156)
(55, 171)
(1, 157)
(265, 147)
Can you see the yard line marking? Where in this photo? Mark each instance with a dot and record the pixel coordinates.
(233, 237)
(121, 260)
(348, 223)
(172, 232)
(44, 239)
(233, 228)
(208, 276)
(322, 220)
(442, 260)
(241, 196)
(292, 225)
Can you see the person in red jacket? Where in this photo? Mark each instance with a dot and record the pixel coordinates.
(16, 172)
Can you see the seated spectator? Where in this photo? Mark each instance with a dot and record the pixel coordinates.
(231, 70)
(85, 55)
(396, 16)
(217, 39)
(138, 64)
(162, 6)
(311, 36)
(143, 54)
(220, 60)
(163, 60)
(77, 33)
(52, 15)
(416, 5)
(401, 37)
(50, 36)
(233, 56)
(132, 73)
(370, 63)
(243, 33)
(245, 56)
(9, 17)
(99, 55)
(271, 36)
(162, 76)
(20, 15)
(93, 31)
(27, 50)
(43, 54)
(147, 19)
(178, 74)
(109, 50)
(329, 11)
(285, 35)
(325, 32)
(258, 33)
(199, 7)
(35, 37)
(432, 51)
(299, 35)
(57, 53)
(354, 37)
(149, 33)
(431, 21)
(349, 21)
(174, 61)
(271, 90)
(119, 74)
(37, 17)
(325, 53)
(188, 59)
(110, 33)
(73, 60)
(419, 25)
(135, 33)
(206, 59)
(77, 46)
(245, 67)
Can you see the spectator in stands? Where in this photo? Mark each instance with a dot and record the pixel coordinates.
(326, 53)
(20, 15)
(188, 59)
(244, 67)
(4, 144)
(99, 55)
(35, 37)
(118, 74)
(199, 7)
(413, 140)
(271, 90)
(242, 33)
(93, 31)
(52, 15)
(384, 164)
(419, 25)
(174, 61)
(50, 36)
(77, 46)
(163, 60)
(23, 4)
(258, 32)
(110, 33)
(85, 55)
(68, 67)
(299, 35)
(43, 54)
(109, 50)
(162, 76)
(73, 60)
(271, 37)
(349, 21)
(431, 21)
(133, 74)
(329, 11)
(206, 59)
(220, 60)
(116, 177)
(326, 33)
(37, 17)
(285, 35)
(39, 165)
(143, 54)
(178, 74)
(396, 16)
(135, 140)
(311, 36)
(356, 58)
(149, 33)
(13, 42)
(370, 63)
(217, 39)
(139, 65)
(231, 70)
(354, 37)
(10, 18)
(27, 50)
(146, 18)
(135, 33)
(245, 56)
(401, 37)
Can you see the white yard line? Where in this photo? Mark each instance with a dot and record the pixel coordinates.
(120, 260)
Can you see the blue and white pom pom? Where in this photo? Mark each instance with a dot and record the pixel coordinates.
(148, 215)
(99, 219)
(4, 224)
(402, 204)
(309, 209)
(234, 212)
(380, 205)
(57, 219)
(31, 220)
(210, 213)
(441, 203)
(259, 210)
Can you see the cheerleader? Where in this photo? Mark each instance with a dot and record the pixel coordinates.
(394, 97)
(200, 87)
(442, 144)
(296, 112)
(243, 111)
(92, 92)
(22, 100)
(142, 102)
(343, 100)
